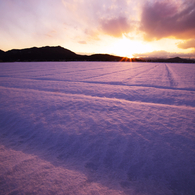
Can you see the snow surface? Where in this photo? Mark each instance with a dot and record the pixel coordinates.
(97, 128)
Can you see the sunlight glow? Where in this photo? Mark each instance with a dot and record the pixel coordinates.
(126, 47)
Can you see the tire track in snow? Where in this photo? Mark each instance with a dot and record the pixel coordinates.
(106, 74)
(170, 77)
(140, 73)
(43, 77)
(22, 74)
(112, 83)
(121, 84)
(133, 85)
(111, 73)
(125, 97)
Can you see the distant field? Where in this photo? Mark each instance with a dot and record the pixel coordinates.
(97, 128)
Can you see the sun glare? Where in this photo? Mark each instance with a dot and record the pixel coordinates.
(126, 47)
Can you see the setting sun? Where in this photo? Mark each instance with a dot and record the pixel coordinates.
(126, 47)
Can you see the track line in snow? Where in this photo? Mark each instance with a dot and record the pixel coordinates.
(102, 83)
(140, 73)
(67, 72)
(107, 74)
(170, 77)
(103, 97)
(114, 72)
(135, 85)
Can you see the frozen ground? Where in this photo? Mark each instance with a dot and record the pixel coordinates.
(97, 128)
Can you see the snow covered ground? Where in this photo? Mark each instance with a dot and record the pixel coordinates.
(97, 128)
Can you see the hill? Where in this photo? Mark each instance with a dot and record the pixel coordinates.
(54, 54)
(59, 53)
(171, 60)
(39, 54)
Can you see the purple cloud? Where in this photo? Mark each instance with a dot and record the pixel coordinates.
(115, 26)
(166, 19)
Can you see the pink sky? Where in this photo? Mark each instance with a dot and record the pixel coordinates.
(122, 27)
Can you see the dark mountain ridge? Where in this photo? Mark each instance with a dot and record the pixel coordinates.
(39, 54)
(171, 60)
(58, 53)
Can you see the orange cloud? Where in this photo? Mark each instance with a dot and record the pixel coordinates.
(164, 54)
(82, 42)
(187, 44)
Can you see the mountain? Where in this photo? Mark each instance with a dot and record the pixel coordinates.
(40, 54)
(54, 54)
(179, 60)
(1, 54)
(59, 53)
(51, 54)
(103, 57)
(171, 60)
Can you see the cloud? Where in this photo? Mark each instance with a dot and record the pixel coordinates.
(154, 54)
(187, 44)
(164, 54)
(79, 23)
(115, 26)
(33, 21)
(111, 17)
(82, 42)
(168, 18)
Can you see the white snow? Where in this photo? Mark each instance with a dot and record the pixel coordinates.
(97, 128)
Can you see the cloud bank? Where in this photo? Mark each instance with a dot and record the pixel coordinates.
(164, 54)
(161, 19)
(115, 26)
(187, 44)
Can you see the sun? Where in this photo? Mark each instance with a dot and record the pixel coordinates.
(126, 47)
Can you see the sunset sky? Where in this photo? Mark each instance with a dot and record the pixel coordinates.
(121, 27)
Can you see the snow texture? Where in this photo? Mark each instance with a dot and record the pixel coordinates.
(97, 128)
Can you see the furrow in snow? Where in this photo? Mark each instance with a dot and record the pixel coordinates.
(140, 73)
(138, 100)
(170, 76)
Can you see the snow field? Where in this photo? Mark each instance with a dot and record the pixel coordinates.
(97, 128)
